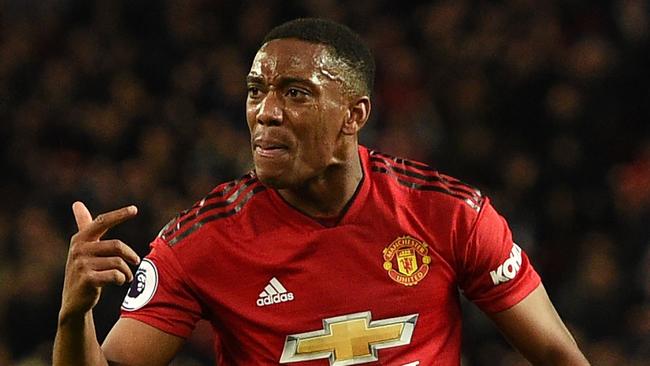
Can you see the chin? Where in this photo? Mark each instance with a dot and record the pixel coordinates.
(272, 180)
(274, 174)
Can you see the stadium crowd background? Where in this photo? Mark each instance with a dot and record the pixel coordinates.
(543, 105)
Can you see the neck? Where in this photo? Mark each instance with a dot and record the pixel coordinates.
(327, 194)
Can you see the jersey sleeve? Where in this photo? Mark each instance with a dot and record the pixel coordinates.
(494, 272)
(159, 294)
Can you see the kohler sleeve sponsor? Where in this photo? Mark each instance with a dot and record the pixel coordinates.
(509, 268)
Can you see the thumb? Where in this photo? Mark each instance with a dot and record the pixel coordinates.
(81, 215)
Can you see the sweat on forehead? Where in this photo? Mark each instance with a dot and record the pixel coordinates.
(294, 54)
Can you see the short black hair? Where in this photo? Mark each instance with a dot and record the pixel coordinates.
(344, 43)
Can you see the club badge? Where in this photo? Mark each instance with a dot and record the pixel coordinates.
(406, 260)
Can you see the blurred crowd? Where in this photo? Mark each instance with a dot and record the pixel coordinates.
(543, 105)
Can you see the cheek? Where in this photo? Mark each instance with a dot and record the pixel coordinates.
(309, 124)
(317, 126)
(325, 131)
(251, 116)
(332, 118)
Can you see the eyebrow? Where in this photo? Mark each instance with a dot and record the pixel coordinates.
(283, 80)
(254, 79)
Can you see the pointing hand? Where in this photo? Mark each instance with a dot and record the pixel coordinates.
(94, 263)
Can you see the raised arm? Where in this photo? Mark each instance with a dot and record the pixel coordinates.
(536, 330)
(92, 264)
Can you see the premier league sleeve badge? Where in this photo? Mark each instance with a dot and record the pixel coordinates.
(143, 287)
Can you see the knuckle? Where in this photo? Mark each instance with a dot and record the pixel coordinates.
(101, 218)
(119, 245)
(120, 248)
(117, 262)
(112, 245)
(118, 277)
(74, 253)
(82, 263)
(76, 240)
(78, 253)
(90, 278)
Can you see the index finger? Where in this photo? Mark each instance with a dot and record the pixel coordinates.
(100, 225)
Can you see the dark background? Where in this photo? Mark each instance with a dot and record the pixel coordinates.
(543, 105)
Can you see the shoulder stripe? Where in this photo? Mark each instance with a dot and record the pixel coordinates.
(224, 191)
(407, 162)
(474, 201)
(400, 161)
(221, 197)
(454, 185)
(402, 166)
(430, 176)
(173, 240)
(231, 198)
(200, 207)
(405, 171)
(176, 222)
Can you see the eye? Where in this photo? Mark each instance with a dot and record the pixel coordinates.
(296, 93)
(253, 91)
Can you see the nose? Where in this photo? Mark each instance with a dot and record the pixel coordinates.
(270, 110)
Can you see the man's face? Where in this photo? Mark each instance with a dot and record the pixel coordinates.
(295, 109)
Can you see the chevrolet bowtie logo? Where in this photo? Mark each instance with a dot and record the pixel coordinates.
(349, 339)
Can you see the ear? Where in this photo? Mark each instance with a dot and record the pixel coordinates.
(357, 116)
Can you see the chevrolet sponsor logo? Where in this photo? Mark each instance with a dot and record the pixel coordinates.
(349, 339)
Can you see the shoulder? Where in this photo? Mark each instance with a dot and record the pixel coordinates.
(413, 176)
(224, 201)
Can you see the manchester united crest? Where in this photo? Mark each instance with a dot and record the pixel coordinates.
(406, 260)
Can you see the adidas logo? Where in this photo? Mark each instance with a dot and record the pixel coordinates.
(274, 293)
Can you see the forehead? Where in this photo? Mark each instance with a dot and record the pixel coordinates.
(291, 56)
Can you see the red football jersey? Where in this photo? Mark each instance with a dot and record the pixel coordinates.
(380, 287)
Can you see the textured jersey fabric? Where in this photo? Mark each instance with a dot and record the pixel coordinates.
(381, 287)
